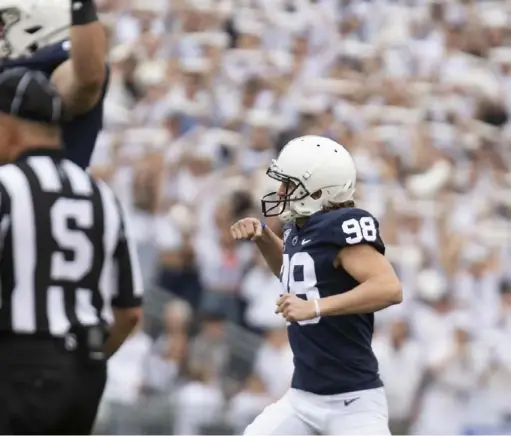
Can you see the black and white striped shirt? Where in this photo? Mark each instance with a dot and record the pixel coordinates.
(66, 254)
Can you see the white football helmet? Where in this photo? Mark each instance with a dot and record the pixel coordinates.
(29, 25)
(306, 165)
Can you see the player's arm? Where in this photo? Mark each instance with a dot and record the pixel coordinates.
(80, 79)
(127, 302)
(361, 256)
(268, 243)
(271, 247)
(379, 286)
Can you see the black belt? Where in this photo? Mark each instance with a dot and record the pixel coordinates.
(82, 342)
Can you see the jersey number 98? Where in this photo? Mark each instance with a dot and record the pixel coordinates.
(358, 230)
(298, 275)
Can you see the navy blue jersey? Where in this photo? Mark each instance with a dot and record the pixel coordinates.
(332, 355)
(79, 134)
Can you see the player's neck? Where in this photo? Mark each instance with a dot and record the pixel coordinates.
(301, 221)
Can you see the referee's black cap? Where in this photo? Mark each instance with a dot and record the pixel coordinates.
(30, 95)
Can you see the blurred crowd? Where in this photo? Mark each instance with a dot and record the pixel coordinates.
(204, 93)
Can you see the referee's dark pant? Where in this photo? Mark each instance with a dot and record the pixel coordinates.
(45, 389)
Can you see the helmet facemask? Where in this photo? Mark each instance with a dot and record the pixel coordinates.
(276, 204)
(8, 18)
(26, 28)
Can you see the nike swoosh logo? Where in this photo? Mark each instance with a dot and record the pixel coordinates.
(348, 402)
(305, 241)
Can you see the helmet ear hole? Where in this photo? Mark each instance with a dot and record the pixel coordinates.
(33, 29)
(316, 195)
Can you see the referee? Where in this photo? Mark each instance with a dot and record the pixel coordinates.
(70, 285)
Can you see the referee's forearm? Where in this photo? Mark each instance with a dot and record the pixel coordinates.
(116, 338)
(125, 322)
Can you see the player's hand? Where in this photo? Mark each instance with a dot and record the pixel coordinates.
(295, 309)
(247, 229)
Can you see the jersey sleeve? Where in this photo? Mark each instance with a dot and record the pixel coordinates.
(355, 227)
(45, 60)
(129, 277)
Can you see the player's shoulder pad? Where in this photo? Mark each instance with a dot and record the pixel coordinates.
(46, 60)
(353, 226)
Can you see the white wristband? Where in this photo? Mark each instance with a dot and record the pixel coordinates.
(316, 308)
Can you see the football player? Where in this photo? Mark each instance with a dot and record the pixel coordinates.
(64, 40)
(334, 273)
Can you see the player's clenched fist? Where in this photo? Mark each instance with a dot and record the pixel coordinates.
(295, 309)
(247, 229)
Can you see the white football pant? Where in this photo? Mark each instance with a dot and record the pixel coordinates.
(304, 413)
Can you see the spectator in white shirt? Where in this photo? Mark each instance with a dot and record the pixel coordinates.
(124, 383)
(247, 404)
(261, 289)
(274, 363)
(164, 364)
(198, 403)
(455, 369)
(401, 364)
